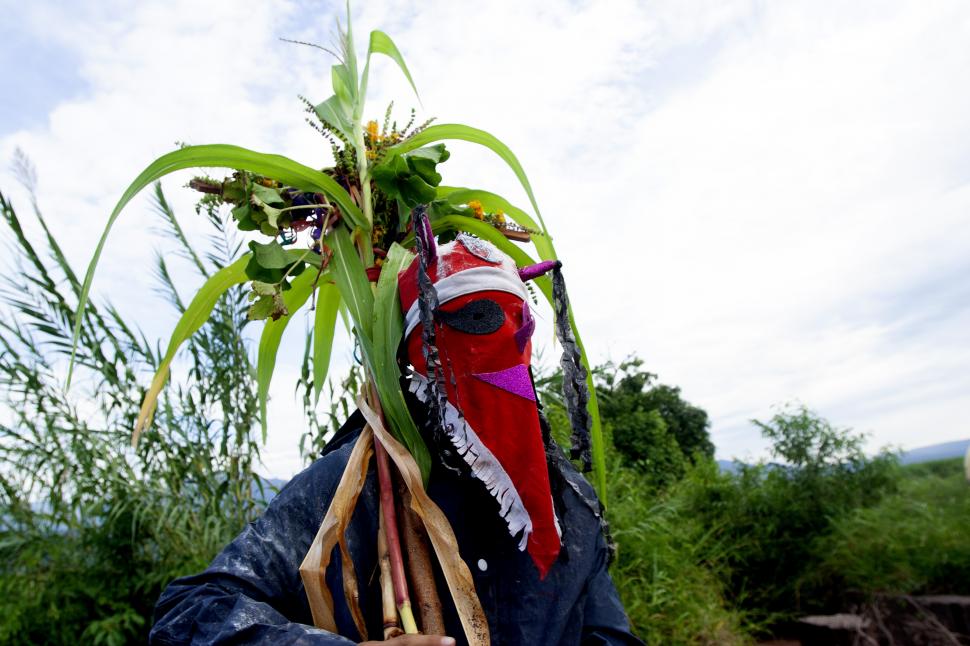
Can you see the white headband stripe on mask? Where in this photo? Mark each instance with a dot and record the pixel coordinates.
(469, 281)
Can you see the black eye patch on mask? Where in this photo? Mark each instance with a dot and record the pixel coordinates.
(482, 316)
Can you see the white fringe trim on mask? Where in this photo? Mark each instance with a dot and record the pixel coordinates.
(483, 463)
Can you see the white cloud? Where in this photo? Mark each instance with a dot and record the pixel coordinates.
(754, 197)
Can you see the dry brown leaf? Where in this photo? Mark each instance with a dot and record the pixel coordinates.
(331, 532)
(351, 593)
(459, 578)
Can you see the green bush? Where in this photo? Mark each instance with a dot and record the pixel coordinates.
(670, 568)
(91, 530)
(940, 468)
(915, 541)
(772, 515)
(651, 426)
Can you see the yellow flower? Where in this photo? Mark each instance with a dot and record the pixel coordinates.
(372, 132)
(500, 216)
(476, 206)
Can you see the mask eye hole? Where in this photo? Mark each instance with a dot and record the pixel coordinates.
(482, 316)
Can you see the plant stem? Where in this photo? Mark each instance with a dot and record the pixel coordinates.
(393, 540)
(414, 540)
(363, 172)
(361, 147)
(293, 266)
(390, 526)
(392, 627)
(368, 205)
(304, 206)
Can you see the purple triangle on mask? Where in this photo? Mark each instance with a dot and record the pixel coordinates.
(515, 380)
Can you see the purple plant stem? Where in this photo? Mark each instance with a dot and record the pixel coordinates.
(388, 510)
(390, 523)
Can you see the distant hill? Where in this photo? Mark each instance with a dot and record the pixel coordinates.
(935, 452)
(729, 466)
(734, 466)
(932, 453)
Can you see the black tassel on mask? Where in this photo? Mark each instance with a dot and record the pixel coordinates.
(425, 246)
(574, 389)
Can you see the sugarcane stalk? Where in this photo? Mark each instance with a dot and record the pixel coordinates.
(420, 569)
(401, 596)
(393, 540)
(392, 627)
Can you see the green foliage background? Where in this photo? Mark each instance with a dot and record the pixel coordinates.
(91, 530)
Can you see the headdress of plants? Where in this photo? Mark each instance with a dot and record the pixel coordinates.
(364, 222)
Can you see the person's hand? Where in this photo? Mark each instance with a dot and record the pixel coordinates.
(415, 640)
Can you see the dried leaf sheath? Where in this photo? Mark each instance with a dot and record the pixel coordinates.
(459, 578)
(351, 590)
(314, 567)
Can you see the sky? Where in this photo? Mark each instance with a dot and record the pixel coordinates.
(765, 201)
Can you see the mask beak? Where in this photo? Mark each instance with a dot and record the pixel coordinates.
(515, 380)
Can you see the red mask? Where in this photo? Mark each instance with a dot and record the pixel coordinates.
(483, 328)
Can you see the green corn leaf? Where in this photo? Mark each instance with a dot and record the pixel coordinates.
(269, 340)
(493, 202)
(381, 43)
(348, 272)
(345, 316)
(388, 331)
(334, 113)
(344, 87)
(474, 135)
(347, 45)
(278, 167)
(388, 319)
(305, 362)
(324, 323)
(193, 318)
